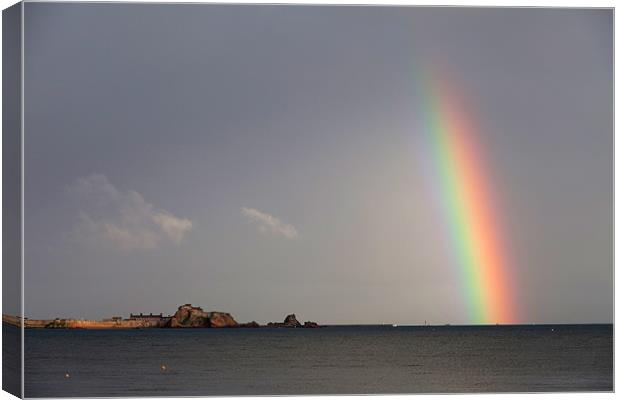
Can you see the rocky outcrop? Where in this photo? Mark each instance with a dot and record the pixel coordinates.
(291, 322)
(188, 316)
(252, 324)
(221, 320)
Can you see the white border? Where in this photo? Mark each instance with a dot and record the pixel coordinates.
(478, 3)
(435, 3)
(22, 224)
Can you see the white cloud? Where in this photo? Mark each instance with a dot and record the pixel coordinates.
(270, 224)
(123, 220)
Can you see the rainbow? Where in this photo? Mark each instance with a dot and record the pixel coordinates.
(468, 202)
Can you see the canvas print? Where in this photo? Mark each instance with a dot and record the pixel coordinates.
(235, 199)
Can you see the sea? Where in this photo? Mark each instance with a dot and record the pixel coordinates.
(329, 360)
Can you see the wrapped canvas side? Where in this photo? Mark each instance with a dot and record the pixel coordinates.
(12, 343)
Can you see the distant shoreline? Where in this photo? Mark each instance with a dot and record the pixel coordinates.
(15, 321)
(186, 316)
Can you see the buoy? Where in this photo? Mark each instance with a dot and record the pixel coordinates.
(67, 376)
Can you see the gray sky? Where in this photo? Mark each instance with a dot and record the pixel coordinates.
(264, 160)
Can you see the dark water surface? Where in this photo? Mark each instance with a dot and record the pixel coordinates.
(332, 360)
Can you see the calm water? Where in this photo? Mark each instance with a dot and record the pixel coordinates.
(319, 361)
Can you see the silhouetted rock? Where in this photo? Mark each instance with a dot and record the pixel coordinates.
(291, 321)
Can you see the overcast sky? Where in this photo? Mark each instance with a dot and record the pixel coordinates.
(264, 160)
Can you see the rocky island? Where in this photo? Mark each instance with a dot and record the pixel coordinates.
(291, 322)
(186, 316)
